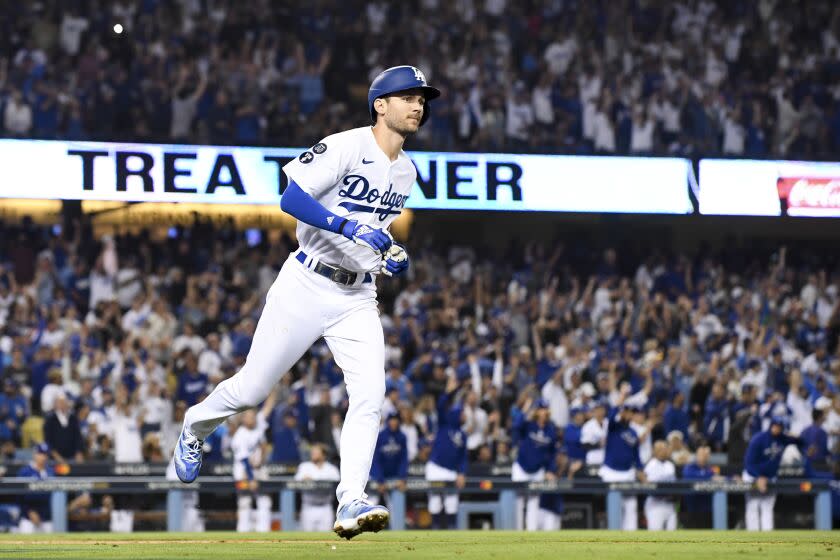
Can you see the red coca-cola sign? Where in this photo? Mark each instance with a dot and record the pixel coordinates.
(810, 192)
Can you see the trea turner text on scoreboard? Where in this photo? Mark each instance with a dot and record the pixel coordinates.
(237, 175)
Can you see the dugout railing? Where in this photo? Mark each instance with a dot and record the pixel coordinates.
(502, 495)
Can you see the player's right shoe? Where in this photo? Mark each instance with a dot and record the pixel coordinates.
(359, 516)
(188, 454)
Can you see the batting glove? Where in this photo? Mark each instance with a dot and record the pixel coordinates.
(395, 261)
(377, 239)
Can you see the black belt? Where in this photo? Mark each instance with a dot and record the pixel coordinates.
(335, 273)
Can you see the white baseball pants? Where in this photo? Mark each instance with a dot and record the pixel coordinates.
(26, 527)
(258, 519)
(446, 502)
(300, 308)
(660, 515)
(191, 520)
(527, 509)
(549, 521)
(759, 512)
(759, 508)
(629, 505)
(316, 518)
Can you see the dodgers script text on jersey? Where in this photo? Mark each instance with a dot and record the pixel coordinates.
(350, 175)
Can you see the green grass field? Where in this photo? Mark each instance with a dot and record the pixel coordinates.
(484, 545)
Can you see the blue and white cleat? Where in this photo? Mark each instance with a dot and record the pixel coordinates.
(358, 517)
(188, 454)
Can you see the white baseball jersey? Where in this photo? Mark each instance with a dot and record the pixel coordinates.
(246, 444)
(127, 442)
(350, 175)
(594, 433)
(659, 471)
(310, 471)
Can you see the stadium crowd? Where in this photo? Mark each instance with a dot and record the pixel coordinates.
(105, 342)
(692, 77)
(523, 359)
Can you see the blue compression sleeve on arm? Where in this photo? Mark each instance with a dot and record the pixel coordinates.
(302, 206)
(249, 472)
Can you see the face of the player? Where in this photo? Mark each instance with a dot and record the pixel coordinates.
(40, 460)
(250, 420)
(403, 111)
(317, 455)
(776, 430)
(661, 451)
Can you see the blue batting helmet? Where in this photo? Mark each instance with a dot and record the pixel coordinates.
(401, 78)
(780, 420)
(541, 403)
(577, 410)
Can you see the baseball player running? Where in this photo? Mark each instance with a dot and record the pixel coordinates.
(344, 191)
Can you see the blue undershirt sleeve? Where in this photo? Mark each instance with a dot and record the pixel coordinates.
(302, 206)
(249, 471)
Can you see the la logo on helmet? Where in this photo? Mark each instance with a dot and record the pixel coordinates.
(418, 75)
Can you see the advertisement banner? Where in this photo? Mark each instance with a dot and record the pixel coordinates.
(769, 188)
(445, 181)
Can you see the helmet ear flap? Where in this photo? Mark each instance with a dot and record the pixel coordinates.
(426, 111)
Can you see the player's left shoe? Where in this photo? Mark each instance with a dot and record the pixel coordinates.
(358, 517)
(188, 454)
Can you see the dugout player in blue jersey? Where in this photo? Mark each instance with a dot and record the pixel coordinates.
(552, 504)
(697, 513)
(35, 510)
(761, 465)
(390, 458)
(448, 461)
(622, 462)
(571, 435)
(535, 459)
